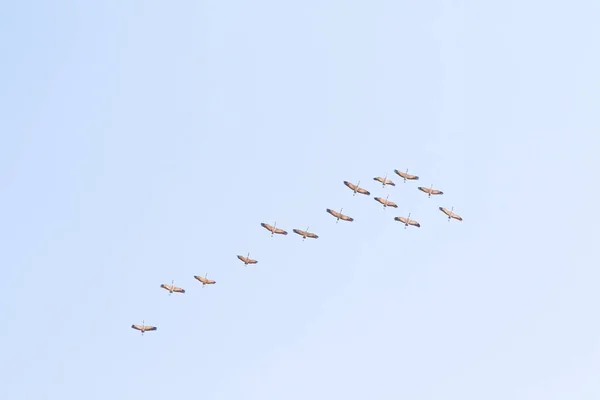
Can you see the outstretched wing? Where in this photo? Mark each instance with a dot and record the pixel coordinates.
(435, 191)
(350, 185)
(334, 213)
(138, 327)
(392, 204)
(149, 328)
(300, 232)
(363, 191)
(267, 226)
(312, 235)
(200, 278)
(379, 199)
(378, 179)
(178, 290)
(442, 209)
(346, 218)
(401, 219)
(389, 182)
(406, 175)
(424, 189)
(414, 223)
(165, 286)
(280, 231)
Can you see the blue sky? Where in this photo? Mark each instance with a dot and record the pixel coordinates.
(144, 142)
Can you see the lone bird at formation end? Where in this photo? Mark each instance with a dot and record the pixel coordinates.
(143, 328)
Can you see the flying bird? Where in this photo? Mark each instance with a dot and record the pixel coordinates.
(172, 288)
(339, 215)
(451, 214)
(306, 234)
(406, 175)
(205, 280)
(386, 202)
(384, 181)
(273, 229)
(247, 260)
(356, 188)
(407, 221)
(143, 328)
(430, 190)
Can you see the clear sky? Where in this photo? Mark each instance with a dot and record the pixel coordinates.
(144, 141)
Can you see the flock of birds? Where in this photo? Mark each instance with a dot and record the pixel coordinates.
(407, 221)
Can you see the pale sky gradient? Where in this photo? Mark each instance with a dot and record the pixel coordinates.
(146, 141)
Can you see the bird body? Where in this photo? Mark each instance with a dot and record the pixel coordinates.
(273, 229)
(430, 190)
(451, 214)
(306, 234)
(247, 260)
(356, 188)
(143, 328)
(172, 288)
(386, 202)
(384, 181)
(205, 280)
(406, 175)
(407, 221)
(339, 215)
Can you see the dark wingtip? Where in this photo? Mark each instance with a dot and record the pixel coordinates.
(368, 193)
